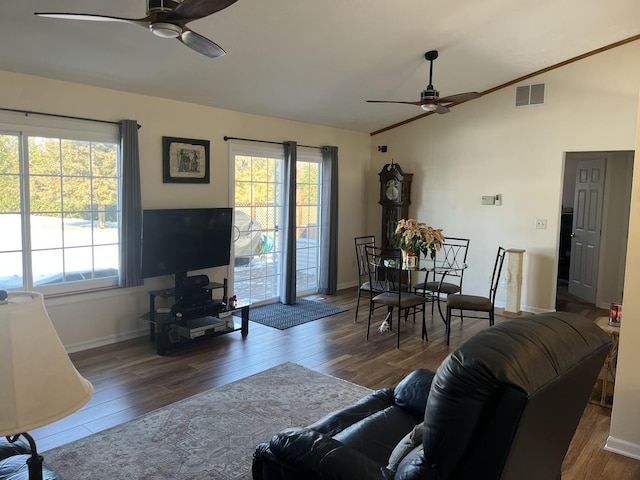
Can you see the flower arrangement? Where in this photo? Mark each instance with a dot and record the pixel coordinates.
(413, 236)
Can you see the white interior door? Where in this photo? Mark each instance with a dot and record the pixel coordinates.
(587, 220)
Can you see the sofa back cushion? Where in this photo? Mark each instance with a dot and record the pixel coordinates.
(493, 399)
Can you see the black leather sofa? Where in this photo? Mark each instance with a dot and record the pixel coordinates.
(505, 405)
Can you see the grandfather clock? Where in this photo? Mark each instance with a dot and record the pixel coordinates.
(395, 198)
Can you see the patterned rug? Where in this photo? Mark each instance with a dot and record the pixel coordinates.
(210, 435)
(281, 316)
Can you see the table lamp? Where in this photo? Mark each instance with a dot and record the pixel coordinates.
(39, 383)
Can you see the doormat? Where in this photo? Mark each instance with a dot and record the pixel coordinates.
(281, 316)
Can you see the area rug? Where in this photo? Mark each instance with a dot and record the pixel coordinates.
(211, 435)
(281, 316)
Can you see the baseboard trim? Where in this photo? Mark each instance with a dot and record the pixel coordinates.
(622, 447)
(344, 286)
(101, 342)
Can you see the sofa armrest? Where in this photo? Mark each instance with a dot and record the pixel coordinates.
(337, 421)
(412, 392)
(305, 453)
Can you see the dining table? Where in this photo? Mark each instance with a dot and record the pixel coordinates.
(433, 267)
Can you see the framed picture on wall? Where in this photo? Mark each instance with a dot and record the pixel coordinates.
(185, 160)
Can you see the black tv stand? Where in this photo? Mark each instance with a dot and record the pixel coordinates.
(184, 323)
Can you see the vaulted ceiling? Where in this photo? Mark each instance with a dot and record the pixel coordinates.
(313, 61)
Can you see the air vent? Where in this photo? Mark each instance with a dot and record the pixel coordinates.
(530, 95)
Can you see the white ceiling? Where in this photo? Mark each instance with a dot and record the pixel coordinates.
(313, 61)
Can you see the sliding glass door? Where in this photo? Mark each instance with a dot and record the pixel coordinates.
(258, 202)
(308, 221)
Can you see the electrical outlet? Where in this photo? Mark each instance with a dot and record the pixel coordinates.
(541, 224)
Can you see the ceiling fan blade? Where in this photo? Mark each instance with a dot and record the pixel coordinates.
(201, 44)
(190, 10)
(458, 98)
(441, 109)
(94, 18)
(393, 101)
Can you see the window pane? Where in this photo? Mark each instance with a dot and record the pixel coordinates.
(76, 193)
(78, 261)
(9, 154)
(47, 267)
(105, 261)
(105, 197)
(9, 194)
(45, 194)
(46, 232)
(104, 158)
(106, 235)
(44, 156)
(76, 158)
(10, 270)
(11, 228)
(78, 231)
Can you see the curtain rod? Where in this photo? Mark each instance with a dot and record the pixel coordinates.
(56, 115)
(267, 141)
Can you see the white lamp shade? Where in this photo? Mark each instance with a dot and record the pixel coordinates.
(38, 382)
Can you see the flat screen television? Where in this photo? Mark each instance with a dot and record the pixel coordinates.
(177, 241)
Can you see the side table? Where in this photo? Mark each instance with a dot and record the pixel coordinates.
(607, 376)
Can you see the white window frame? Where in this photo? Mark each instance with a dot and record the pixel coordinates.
(25, 126)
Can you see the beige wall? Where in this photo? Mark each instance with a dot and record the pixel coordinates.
(488, 146)
(88, 320)
(625, 418)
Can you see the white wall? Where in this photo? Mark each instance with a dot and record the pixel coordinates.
(487, 146)
(85, 321)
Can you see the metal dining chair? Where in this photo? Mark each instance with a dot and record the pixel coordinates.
(365, 284)
(476, 303)
(385, 266)
(454, 252)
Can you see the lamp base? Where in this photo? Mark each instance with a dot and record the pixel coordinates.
(34, 463)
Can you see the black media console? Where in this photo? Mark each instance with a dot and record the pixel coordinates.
(195, 315)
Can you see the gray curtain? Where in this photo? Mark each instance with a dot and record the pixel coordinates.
(329, 214)
(288, 290)
(131, 206)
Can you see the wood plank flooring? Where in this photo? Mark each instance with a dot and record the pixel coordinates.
(130, 379)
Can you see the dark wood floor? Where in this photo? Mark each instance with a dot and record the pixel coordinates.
(130, 379)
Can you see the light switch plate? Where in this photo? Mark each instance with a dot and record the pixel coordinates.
(541, 223)
(488, 200)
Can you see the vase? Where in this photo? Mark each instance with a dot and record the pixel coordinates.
(410, 259)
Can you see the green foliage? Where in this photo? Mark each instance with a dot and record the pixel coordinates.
(70, 176)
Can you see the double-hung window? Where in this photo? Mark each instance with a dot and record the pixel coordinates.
(59, 204)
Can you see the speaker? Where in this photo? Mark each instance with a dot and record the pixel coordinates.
(195, 282)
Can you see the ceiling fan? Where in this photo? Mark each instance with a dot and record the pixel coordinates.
(430, 100)
(167, 19)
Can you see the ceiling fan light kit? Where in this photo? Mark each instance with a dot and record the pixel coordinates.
(430, 100)
(165, 30)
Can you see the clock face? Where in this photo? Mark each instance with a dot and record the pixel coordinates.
(392, 189)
